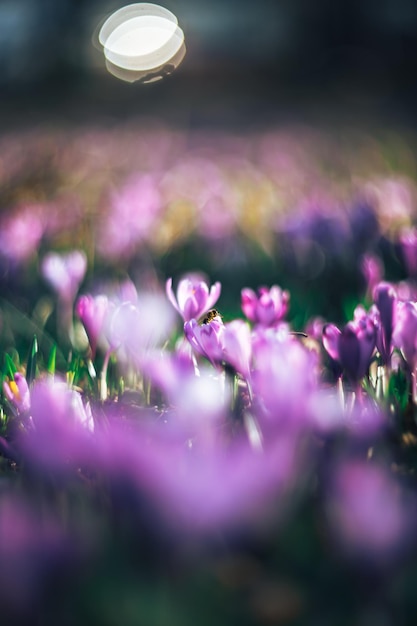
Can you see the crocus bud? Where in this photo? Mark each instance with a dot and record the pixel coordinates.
(17, 393)
(92, 312)
(64, 272)
(267, 308)
(193, 297)
(385, 298)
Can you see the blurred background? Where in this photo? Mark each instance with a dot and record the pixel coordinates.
(247, 63)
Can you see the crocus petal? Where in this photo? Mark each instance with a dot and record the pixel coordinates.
(350, 352)
(237, 346)
(206, 339)
(214, 295)
(248, 303)
(331, 336)
(170, 295)
(384, 298)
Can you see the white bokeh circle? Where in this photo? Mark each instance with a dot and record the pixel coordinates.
(141, 37)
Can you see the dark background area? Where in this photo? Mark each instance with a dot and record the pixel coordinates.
(246, 63)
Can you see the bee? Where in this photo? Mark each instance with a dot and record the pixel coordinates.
(210, 316)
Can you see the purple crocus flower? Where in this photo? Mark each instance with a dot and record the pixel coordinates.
(267, 308)
(285, 375)
(64, 272)
(206, 339)
(136, 328)
(197, 487)
(61, 426)
(193, 296)
(385, 298)
(405, 331)
(238, 346)
(92, 312)
(17, 393)
(198, 401)
(352, 346)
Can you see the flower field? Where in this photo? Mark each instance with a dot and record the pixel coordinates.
(209, 377)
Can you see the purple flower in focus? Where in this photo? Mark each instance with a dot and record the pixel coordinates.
(92, 312)
(206, 339)
(353, 346)
(64, 272)
(17, 393)
(267, 308)
(193, 296)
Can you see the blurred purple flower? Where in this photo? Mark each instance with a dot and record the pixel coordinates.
(61, 426)
(408, 243)
(134, 209)
(237, 344)
(92, 311)
(364, 421)
(136, 328)
(65, 272)
(33, 549)
(285, 374)
(200, 487)
(394, 199)
(17, 393)
(314, 327)
(373, 271)
(267, 308)
(21, 233)
(197, 399)
(167, 370)
(193, 296)
(385, 299)
(366, 510)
